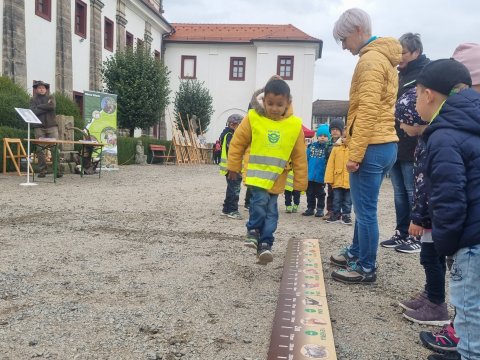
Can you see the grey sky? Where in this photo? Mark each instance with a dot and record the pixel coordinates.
(443, 24)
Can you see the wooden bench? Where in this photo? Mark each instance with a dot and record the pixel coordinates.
(160, 152)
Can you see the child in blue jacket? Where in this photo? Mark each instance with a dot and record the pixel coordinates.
(317, 162)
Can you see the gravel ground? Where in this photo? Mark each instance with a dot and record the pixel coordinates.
(139, 265)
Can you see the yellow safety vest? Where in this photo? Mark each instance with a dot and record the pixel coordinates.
(289, 183)
(272, 145)
(223, 159)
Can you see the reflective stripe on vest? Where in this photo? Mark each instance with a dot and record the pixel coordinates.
(289, 183)
(223, 159)
(272, 145)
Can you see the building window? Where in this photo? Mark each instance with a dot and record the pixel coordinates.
(108, 34)
(285, 67)
(78, 98)
(129, 40)
(43, 8)
(157, 55)
(237, 68)
(80, 18)
(189, 67)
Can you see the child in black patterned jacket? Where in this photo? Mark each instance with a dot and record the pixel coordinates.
(428, 306)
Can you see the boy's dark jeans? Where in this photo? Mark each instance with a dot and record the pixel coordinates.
(342, 201)
(295, 194)
(248, 196)
(435, 268)
(232, 194)
(316, 195)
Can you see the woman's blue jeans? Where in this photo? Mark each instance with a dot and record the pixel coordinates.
(263, 214)
(364, 187)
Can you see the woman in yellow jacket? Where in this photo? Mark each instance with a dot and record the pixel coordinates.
(371, 137)
(337, 176)
(274, 136)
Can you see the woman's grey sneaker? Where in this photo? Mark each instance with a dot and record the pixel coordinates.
(343, 259)
(354, 274)
(394, 241)
(411, 246)
(264, 254)
(429, 314)
(415, 302)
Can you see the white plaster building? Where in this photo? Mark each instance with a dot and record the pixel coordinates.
(64, 42)
(234, 60)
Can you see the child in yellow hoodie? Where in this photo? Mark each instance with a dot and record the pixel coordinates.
(274, 136)
(337, 176)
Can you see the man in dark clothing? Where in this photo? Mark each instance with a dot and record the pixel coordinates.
(401, 173)
(43, 105)
(230, 205)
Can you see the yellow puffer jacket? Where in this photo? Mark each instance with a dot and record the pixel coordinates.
(373, 93)
(336, 173)
(240, 144)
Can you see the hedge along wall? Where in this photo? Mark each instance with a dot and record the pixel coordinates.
(126, 148)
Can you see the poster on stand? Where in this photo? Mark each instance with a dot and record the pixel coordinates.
(100, 115)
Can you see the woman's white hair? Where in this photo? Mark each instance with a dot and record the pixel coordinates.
(349, 21)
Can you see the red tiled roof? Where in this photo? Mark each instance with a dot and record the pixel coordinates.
(237, 33)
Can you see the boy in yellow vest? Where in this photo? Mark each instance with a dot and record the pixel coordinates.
(275, 136)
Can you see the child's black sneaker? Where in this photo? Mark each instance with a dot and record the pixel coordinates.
(264, 254)
(395, 240)
(308, 212)
(346, 219)
(334, 218)
(448, 356)
(319, 213)
(411, 246)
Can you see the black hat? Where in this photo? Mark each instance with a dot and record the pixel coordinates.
(37, 83)
(442, 75)
(337, 124)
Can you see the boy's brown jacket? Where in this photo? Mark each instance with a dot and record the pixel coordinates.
(240, 146)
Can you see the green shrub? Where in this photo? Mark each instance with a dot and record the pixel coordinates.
(8, 132)
(12, 96)
(126, 148)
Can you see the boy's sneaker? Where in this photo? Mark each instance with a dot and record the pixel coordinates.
(448, 356)
(395, 240)
(223, 213)
(319, 213)
(415, 302)
(264, 254)
(327, 215)
(235, 215)
(411, 246)
(289, 209)
(346, 219)
(429, 314)
(354, 274)
(334, 218)
(443, 341)
(295, 208)
(252, 239)
(343, 259)
(308, 212)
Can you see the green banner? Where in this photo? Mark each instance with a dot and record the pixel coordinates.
(100, 115)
